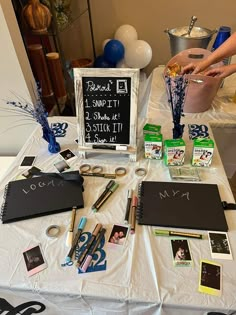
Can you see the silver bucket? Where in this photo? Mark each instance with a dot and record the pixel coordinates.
(199, 38)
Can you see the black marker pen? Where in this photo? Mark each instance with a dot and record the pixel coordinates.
(108, 186)
(104, 147)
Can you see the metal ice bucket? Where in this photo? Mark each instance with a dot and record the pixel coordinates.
(199, 38)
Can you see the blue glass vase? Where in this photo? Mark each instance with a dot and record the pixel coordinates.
(53, 145)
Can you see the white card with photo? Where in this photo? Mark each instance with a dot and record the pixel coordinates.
(67, 155)
(118, 235)
(210, 278)
(27, 161)
(34, 260)
(219, 245)
(62, 166)
(181, 253)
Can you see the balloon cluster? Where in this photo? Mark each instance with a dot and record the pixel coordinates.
(125, 50)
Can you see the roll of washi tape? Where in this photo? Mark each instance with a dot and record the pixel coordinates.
(140, 171)
(53, 231)
(85, 168)
(120, 171)
(97, 169)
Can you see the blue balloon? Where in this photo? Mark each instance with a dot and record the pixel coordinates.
(114, 51)
(101, 62)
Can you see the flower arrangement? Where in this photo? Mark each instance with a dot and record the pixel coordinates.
(176, 87)
(62, 11)
(38, 113)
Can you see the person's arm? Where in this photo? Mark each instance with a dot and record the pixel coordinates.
(221, 72)
(227, 49)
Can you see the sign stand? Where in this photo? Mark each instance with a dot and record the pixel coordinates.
(106, 107)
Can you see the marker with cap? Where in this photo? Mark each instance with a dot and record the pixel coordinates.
(81, 226)
(128, 204)
(133, 213)
(108, 186)
(69, 237)
(107, 195)
(89, 244)
(176, 233)
(84, 266)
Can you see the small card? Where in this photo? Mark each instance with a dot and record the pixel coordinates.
(219, 244)
(30, 172)
(118, 235)
(181, 253)
(67, 155)
(27, 161)
(210, 278)
(62, 166)
(34, 260)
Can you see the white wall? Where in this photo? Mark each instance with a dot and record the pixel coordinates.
(16, 79)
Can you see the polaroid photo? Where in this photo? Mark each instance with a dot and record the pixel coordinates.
(118, 235)
(62, 166)
(31, 172)
(34, 260)
(27, 161)
(219, 244)
(67, 155)
(181, 253)
(210, 278)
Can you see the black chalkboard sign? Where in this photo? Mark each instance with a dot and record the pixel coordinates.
(107, 109)
(106, 103)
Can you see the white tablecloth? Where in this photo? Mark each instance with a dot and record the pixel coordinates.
(140, 277)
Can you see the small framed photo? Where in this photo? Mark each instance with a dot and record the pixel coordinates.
(219, 244)
(118, 235)
(67, 155)
(34, 260)
(210, 278)
(181, 253)
(62, 166)
(27, 161)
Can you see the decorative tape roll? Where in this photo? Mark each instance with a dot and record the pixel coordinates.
(97, 169)
(140, 171)
(53, 231)
(85, 168)
(120, 171)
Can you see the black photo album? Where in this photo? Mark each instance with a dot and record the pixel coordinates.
(39, 196)
(181, 205)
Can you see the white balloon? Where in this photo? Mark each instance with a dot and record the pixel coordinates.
(121, 64)
(138, 54)
(125, 34)
(105, 42)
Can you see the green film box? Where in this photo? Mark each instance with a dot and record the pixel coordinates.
(153, 146)
(202, 152)
(151, 129)
(174, 151)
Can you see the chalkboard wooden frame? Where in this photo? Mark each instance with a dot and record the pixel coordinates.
(104, 74)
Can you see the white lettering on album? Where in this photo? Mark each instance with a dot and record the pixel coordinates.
(174, 194)
(40, 185)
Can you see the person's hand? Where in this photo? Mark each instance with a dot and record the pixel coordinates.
(189, 68)
(194, 68)
(221, 72)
